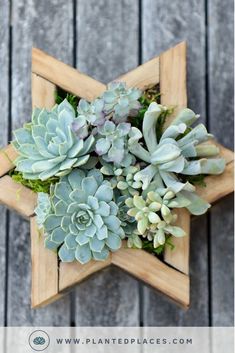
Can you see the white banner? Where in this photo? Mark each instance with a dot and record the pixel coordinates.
(117, 339)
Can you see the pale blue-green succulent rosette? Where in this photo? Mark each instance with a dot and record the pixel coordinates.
(121, 101)
(112, 141)
(176, 152)
(82, 223)
(48, 146)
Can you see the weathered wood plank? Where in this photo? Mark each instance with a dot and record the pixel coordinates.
(107, 46)
(32, 26)
(166, 23)
(221, 99)
(4, 102)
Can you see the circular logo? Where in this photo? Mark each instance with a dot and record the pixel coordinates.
(39, 340)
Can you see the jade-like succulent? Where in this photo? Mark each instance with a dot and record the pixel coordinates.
(168, 199)
(157, 233)
(123, 178)
(149, 221)
(173, 153)
(48, 146)
(134, 241)
(112, 143)
(82, 223)
(121, 101)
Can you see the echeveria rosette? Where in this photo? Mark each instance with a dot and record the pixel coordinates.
(48, 145)
(112, 141)
(173, 153)
(154, 221)
(121, 101)
(83, 223)
(91, 113)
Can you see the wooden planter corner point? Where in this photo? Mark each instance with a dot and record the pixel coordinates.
(51, 278)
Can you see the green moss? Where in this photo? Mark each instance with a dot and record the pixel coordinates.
(35, 185)
(60, 95)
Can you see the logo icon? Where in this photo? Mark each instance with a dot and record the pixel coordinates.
(39, 340)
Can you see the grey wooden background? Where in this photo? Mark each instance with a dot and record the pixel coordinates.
(106, 38)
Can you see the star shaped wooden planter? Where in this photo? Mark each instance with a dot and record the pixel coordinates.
(51, 278)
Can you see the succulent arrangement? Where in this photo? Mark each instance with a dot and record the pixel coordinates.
(111, 169)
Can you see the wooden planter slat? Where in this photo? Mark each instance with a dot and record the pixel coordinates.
(45, 271)
(154, 272)
(173, 93)
(137, 263)
(218, 186)
(144, 76)
(7, 156)
(74, 273)
(17, 197)
(179, 256)
(43, 92)
(44, 288)
(173, 79)
(64, 76)
(51, 278)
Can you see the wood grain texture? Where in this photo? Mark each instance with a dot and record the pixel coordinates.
(144, 76)
(4, 102)
(7, 156)
(32, 26)
(172, 22)
(107, 46)
(179, 256)
(64, 76)
(221, 112)
(72, 273)
(17, 197)
(174, 94)
(44, 269)
(43, 92)
(173, 79)
(164, 278)
(218, 186)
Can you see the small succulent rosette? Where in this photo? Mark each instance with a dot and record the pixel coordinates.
(116, 171)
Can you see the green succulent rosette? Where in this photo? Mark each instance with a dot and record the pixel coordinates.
(180, 150)
(48, 146)
(82, 222)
